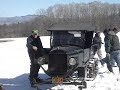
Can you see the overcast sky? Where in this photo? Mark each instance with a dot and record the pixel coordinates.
(11, 8)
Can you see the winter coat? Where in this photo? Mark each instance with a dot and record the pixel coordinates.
(97, 41)
(111, 42)
(31, 41)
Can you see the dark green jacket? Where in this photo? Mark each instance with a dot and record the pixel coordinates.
(111, 42)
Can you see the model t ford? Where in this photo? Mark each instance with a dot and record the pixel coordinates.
(70, 59)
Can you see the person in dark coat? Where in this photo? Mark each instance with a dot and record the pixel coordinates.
(34, 47)
(112, 48)
(97, 42)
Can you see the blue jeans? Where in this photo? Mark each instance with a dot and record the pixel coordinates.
(108, 62)
(115, 56)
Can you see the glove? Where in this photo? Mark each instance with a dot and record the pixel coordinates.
(35, 48)
(108, 56)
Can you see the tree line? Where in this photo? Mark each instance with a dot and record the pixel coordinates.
(102, 15)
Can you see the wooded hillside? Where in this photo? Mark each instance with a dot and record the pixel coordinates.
(102, 15)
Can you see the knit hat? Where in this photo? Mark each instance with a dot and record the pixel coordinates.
(35, 32)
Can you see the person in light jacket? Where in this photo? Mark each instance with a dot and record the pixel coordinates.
(97, 42)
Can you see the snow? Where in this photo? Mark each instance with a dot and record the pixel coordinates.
(15, 63)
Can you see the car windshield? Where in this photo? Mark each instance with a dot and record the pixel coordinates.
(73, 38)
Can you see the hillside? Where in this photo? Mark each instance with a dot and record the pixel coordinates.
(10, 20)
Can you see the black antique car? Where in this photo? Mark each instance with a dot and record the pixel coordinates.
(71, 59)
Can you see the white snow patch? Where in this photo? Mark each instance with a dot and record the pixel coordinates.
(15, 63)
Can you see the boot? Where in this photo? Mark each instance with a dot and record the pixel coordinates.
(38, 80)
(110, 69)
(33, 82)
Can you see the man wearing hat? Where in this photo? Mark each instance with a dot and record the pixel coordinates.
(34, 47)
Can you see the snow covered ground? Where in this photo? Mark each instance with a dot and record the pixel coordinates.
(14, 69)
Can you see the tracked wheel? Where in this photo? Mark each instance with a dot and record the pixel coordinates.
(84, 84)
(79, 88)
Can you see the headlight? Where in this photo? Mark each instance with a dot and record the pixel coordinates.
(72, 61)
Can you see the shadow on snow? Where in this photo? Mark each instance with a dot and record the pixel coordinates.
(22, 83)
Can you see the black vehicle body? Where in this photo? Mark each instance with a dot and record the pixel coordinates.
(71, 53)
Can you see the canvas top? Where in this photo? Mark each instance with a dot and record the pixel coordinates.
(72, 26)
